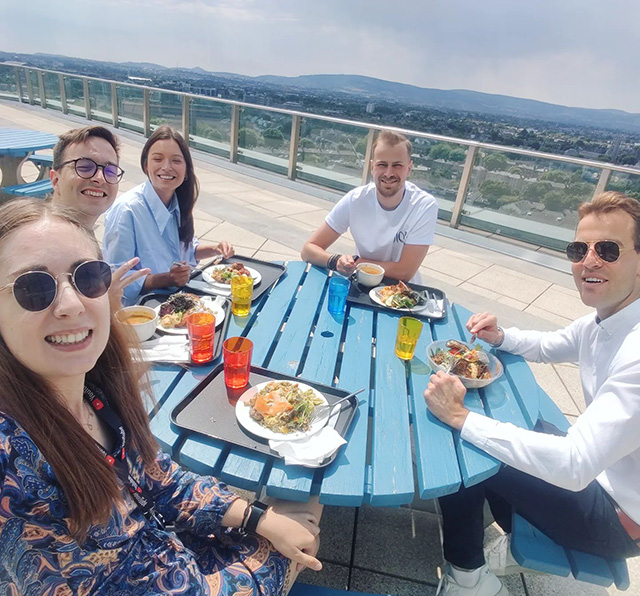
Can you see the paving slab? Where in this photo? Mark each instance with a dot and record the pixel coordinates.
(512, 283)
(561, 303)
(415, 538)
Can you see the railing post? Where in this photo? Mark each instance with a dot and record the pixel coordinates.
(293, 147)
(63, 94)
(18, 84)
(186, 126)
(114, 106)
(146, 113)
(27, 73)
(43, 97)
(602, 182)
(87, 97)
(464, 186)
(368, 156)
(233, 135)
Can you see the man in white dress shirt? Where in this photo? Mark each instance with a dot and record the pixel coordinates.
(392, 221)
(581, 488)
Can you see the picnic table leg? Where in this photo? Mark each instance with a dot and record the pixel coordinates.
(10, 167)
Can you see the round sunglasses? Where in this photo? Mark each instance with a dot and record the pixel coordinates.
(607, 250)
(86, 168)
(36, 291)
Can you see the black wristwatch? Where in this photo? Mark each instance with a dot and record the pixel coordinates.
(251, 517)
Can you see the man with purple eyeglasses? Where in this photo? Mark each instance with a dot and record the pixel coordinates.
(581, 488)
(85, 176)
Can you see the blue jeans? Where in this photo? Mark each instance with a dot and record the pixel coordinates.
(585, 520)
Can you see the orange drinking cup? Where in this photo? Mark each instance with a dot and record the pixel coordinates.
(201, 327)
(236, 355)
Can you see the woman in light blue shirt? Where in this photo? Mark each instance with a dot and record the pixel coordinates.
(154, 221)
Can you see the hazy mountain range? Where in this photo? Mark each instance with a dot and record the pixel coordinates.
(373, 89)
(462, 99)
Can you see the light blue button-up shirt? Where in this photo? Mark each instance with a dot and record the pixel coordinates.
(140, 225)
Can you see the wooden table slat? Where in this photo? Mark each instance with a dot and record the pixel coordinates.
(344, 480)
(435, 454)
(392, 467)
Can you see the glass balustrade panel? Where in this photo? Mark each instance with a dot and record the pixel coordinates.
(75, 95)
(331, 154)
(130, 107)
(210, 126)
(165, 108)
(527, 198)
(629, 184)
(437, 169)
(22, 73)
(52, 90)
(100, 97)
(33, 77)
(8, 88)
(264, 138)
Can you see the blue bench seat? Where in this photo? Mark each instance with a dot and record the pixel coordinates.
(39, 188)
(534, 550)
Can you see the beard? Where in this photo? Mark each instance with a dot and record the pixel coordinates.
(389, 188)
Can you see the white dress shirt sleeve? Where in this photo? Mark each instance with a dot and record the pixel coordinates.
(604, 434)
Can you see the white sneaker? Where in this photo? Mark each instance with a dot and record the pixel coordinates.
(498, 556)
(487, 585)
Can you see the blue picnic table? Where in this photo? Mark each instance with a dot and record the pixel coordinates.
(16, 145)
(293, 333)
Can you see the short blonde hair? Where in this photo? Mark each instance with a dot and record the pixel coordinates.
(388, 137)
(609, 201)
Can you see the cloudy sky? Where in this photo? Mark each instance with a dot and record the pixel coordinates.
(572, 52)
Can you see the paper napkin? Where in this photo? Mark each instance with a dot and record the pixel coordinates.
(310, 451)
(166, 348)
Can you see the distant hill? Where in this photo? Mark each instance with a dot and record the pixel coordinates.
(461, 99)
(377, 89)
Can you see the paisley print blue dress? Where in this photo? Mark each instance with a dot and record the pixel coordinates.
(130, 555)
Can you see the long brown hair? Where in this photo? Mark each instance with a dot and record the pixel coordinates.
(87, 480)
(188, 191)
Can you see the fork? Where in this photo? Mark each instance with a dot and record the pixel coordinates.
(330, 407)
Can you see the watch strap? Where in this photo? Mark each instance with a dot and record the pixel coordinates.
(250, 522)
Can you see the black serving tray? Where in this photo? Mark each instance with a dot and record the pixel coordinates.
(359, 294)
(271, 273)
(155, 298)
(210, 409)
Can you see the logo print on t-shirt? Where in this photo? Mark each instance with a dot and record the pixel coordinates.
(401, 237)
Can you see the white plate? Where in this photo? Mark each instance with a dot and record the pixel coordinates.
(373, 294)
(206, 275)
(214, 304)
(255, 428)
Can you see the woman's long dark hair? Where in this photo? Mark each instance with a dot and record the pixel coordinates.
(188, 191)
(87, 480)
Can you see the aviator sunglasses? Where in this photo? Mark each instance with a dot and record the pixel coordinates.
(36, 291)
(607, 250)
(86, 168)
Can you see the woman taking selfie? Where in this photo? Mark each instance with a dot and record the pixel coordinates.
(85, 495)
(154, 221)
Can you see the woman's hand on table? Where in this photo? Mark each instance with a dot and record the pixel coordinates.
(485, 326)
(225, 249)
(293, 533)
(120, 280)
(445, 398)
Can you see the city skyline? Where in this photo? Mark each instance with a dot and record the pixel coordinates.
(572, 53)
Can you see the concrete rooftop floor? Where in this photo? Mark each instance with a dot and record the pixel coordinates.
(266, 216)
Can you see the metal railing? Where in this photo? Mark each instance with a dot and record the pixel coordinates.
(509, 191)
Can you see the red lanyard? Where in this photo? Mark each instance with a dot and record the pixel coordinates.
(118, 459)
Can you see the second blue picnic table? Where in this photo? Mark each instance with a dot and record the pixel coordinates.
(393, 431)
(16, 145)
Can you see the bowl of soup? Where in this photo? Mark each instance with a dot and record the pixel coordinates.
(142, 318)
(369, 274)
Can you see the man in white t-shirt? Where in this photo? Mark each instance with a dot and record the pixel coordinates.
(392, 221)
(581, 488)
